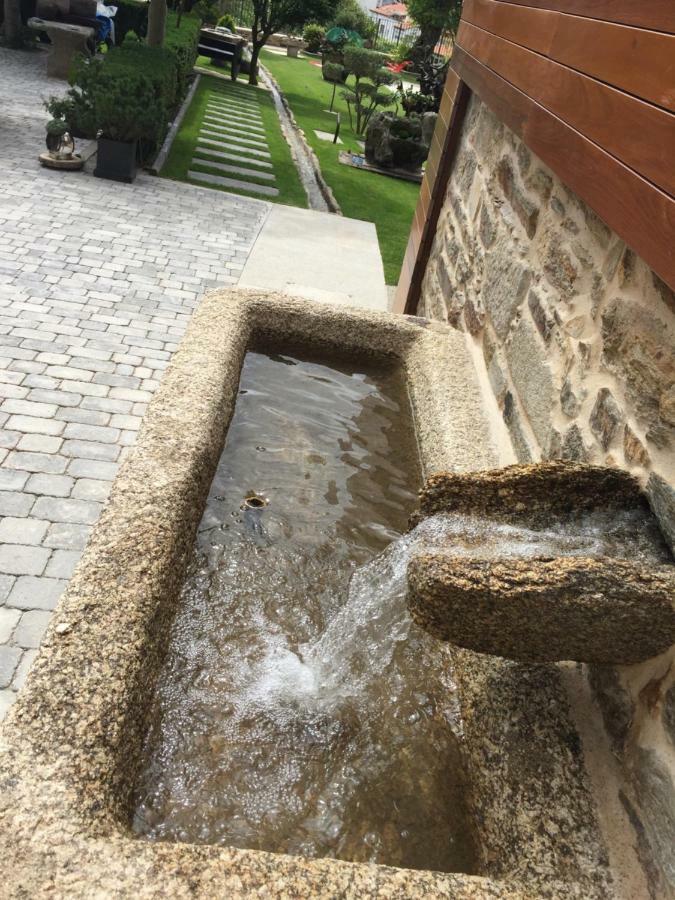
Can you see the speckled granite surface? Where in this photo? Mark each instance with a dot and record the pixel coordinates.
(597, 609)
(70, 747)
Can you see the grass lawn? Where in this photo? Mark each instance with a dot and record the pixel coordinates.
(387, 202)
(291, 191)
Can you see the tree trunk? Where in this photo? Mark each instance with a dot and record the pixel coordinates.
(156, 23)
(12, 24)
(426, 42)
(255, 53)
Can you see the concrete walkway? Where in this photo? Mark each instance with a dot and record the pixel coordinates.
(97, 283)
(319, 256)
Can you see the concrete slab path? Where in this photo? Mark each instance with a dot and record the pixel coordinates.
(98, 281)
(320, 256)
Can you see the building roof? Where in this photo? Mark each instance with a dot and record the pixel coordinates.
(391, 10)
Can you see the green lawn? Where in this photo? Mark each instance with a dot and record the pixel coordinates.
(291, 191)
(387, 202)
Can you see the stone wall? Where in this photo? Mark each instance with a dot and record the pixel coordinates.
(578, 337)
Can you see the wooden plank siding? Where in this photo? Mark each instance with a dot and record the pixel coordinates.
(635, 60)
(615, 121)
(589, 86)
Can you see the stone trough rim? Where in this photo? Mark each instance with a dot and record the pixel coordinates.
(67, 745)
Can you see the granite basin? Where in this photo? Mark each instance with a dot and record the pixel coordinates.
(70, 749)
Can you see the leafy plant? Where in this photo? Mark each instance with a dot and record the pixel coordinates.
(367, 92)
(403, 51)
(227, 21)
(57, 127)
(314, 35)
(416, 102)
(432, 75)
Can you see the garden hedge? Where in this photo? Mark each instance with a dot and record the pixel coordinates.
(149, 84)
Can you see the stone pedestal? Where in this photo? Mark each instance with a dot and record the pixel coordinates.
(67, 40)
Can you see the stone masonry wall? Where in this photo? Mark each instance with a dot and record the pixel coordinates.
(578, 337)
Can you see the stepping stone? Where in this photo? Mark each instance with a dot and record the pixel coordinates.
(237, 147)
(232, 125)
(233, 114)
(327, 136)
(235, 157)
(234, 101)
(250, 188)
(233, 170)
(212, 131)
(228, 122)
(237, 101)
(244, 109)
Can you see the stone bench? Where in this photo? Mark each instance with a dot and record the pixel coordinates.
(67, 40)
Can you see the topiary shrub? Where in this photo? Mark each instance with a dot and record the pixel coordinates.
(367, 92)
(313, 35)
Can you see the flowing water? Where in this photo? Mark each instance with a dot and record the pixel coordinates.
(300, 710)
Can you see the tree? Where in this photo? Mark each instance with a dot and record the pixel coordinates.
(156, 23)
(13, 27)
(433, 17)
(270, 16)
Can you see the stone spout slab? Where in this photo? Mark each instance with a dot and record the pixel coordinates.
(530, 494)
(544, 608)
(599, 610)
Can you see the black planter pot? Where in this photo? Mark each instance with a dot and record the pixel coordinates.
(116, 160)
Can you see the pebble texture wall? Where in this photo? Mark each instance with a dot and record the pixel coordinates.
(578, 337)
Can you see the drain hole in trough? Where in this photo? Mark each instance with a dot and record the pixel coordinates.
(253, 501)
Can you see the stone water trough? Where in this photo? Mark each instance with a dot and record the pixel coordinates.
(71, 747)
(597, 607)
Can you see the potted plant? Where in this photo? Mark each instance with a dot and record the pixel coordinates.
(56, 128)
(122, 108)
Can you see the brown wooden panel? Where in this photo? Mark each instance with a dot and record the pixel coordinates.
(656, 14)
(640, 213)
(636, 60)
(446, 134)
(637, 133)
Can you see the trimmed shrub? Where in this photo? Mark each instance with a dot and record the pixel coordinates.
(367, 93)
(314, 35)
(133, 91)
(182, 42)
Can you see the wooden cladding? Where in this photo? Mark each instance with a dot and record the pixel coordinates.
(640, 134)
(635, 60)
(589, 86)
(656, 14)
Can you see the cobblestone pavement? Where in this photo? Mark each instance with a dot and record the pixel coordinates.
(97, 283)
